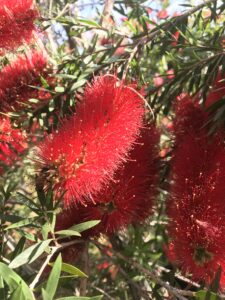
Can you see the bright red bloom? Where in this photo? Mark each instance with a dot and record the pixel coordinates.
(190, 118)
(16, 22)
(126, 200)
(163, 14)
(175, 38)
(12, 144)
(16, 78)
(170, 73)
(197, 203)
(103, 266)
(85, 152)
(158, 80)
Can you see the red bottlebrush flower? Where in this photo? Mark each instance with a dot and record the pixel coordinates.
(170, 74)
(16, 22)
(190, 117)
(128, 199)
(158, 80)
(105, 41)
(196, 207)
(167, 124)
(149, 10)
(85, 152)
(16, 78)
(217, 92)
(12, 144)
(163, 14)
(175, 38)
(103, 266)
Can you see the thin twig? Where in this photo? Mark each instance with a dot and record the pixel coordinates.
(54, 250)
(141, 292)
(178, 276)
(166, 25)
(38, 276)
(102, 291)
(179, 294)
(134, 51)
(83, 284)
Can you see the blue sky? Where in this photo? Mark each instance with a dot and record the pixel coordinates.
(90, 12)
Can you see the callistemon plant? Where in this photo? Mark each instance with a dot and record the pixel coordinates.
(196, 205)
(129, 197)
(85, 152)
(12, 144)
(16, 23)
(21, 80)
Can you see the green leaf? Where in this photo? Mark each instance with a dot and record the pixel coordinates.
(72, 270)
(214, 286)
(33, 100)
(21, 223)
(89, 23)
(53, 279)
(45, 294)
(44, 82)
(68, 232)
(28, 236)
(18, 294)
(46, 228)
(206, 295)
(19, 247)
(10, 218)
(84, 226)
(2, 291)
(81, 298)
(78, 84)
(68, 76)
(59, 89)
(13, 281)
(30, 254)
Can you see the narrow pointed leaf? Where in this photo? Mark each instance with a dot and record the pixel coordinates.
(30, 254)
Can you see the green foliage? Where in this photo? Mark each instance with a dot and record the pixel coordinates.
(17, 286)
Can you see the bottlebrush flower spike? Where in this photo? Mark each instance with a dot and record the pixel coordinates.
(16, 22)
(85, 152)
(196, 206)
(12, 144)
(129, 198)
(15, 79)
(190, 117)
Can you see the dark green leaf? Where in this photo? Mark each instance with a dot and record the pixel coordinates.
(30, 254)
(84, 226)
(72, 270)
(22, 223)
(206, 295)
(19, 247)
(68, 232)
(13, 281)
(53, 279)
(81, 298)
